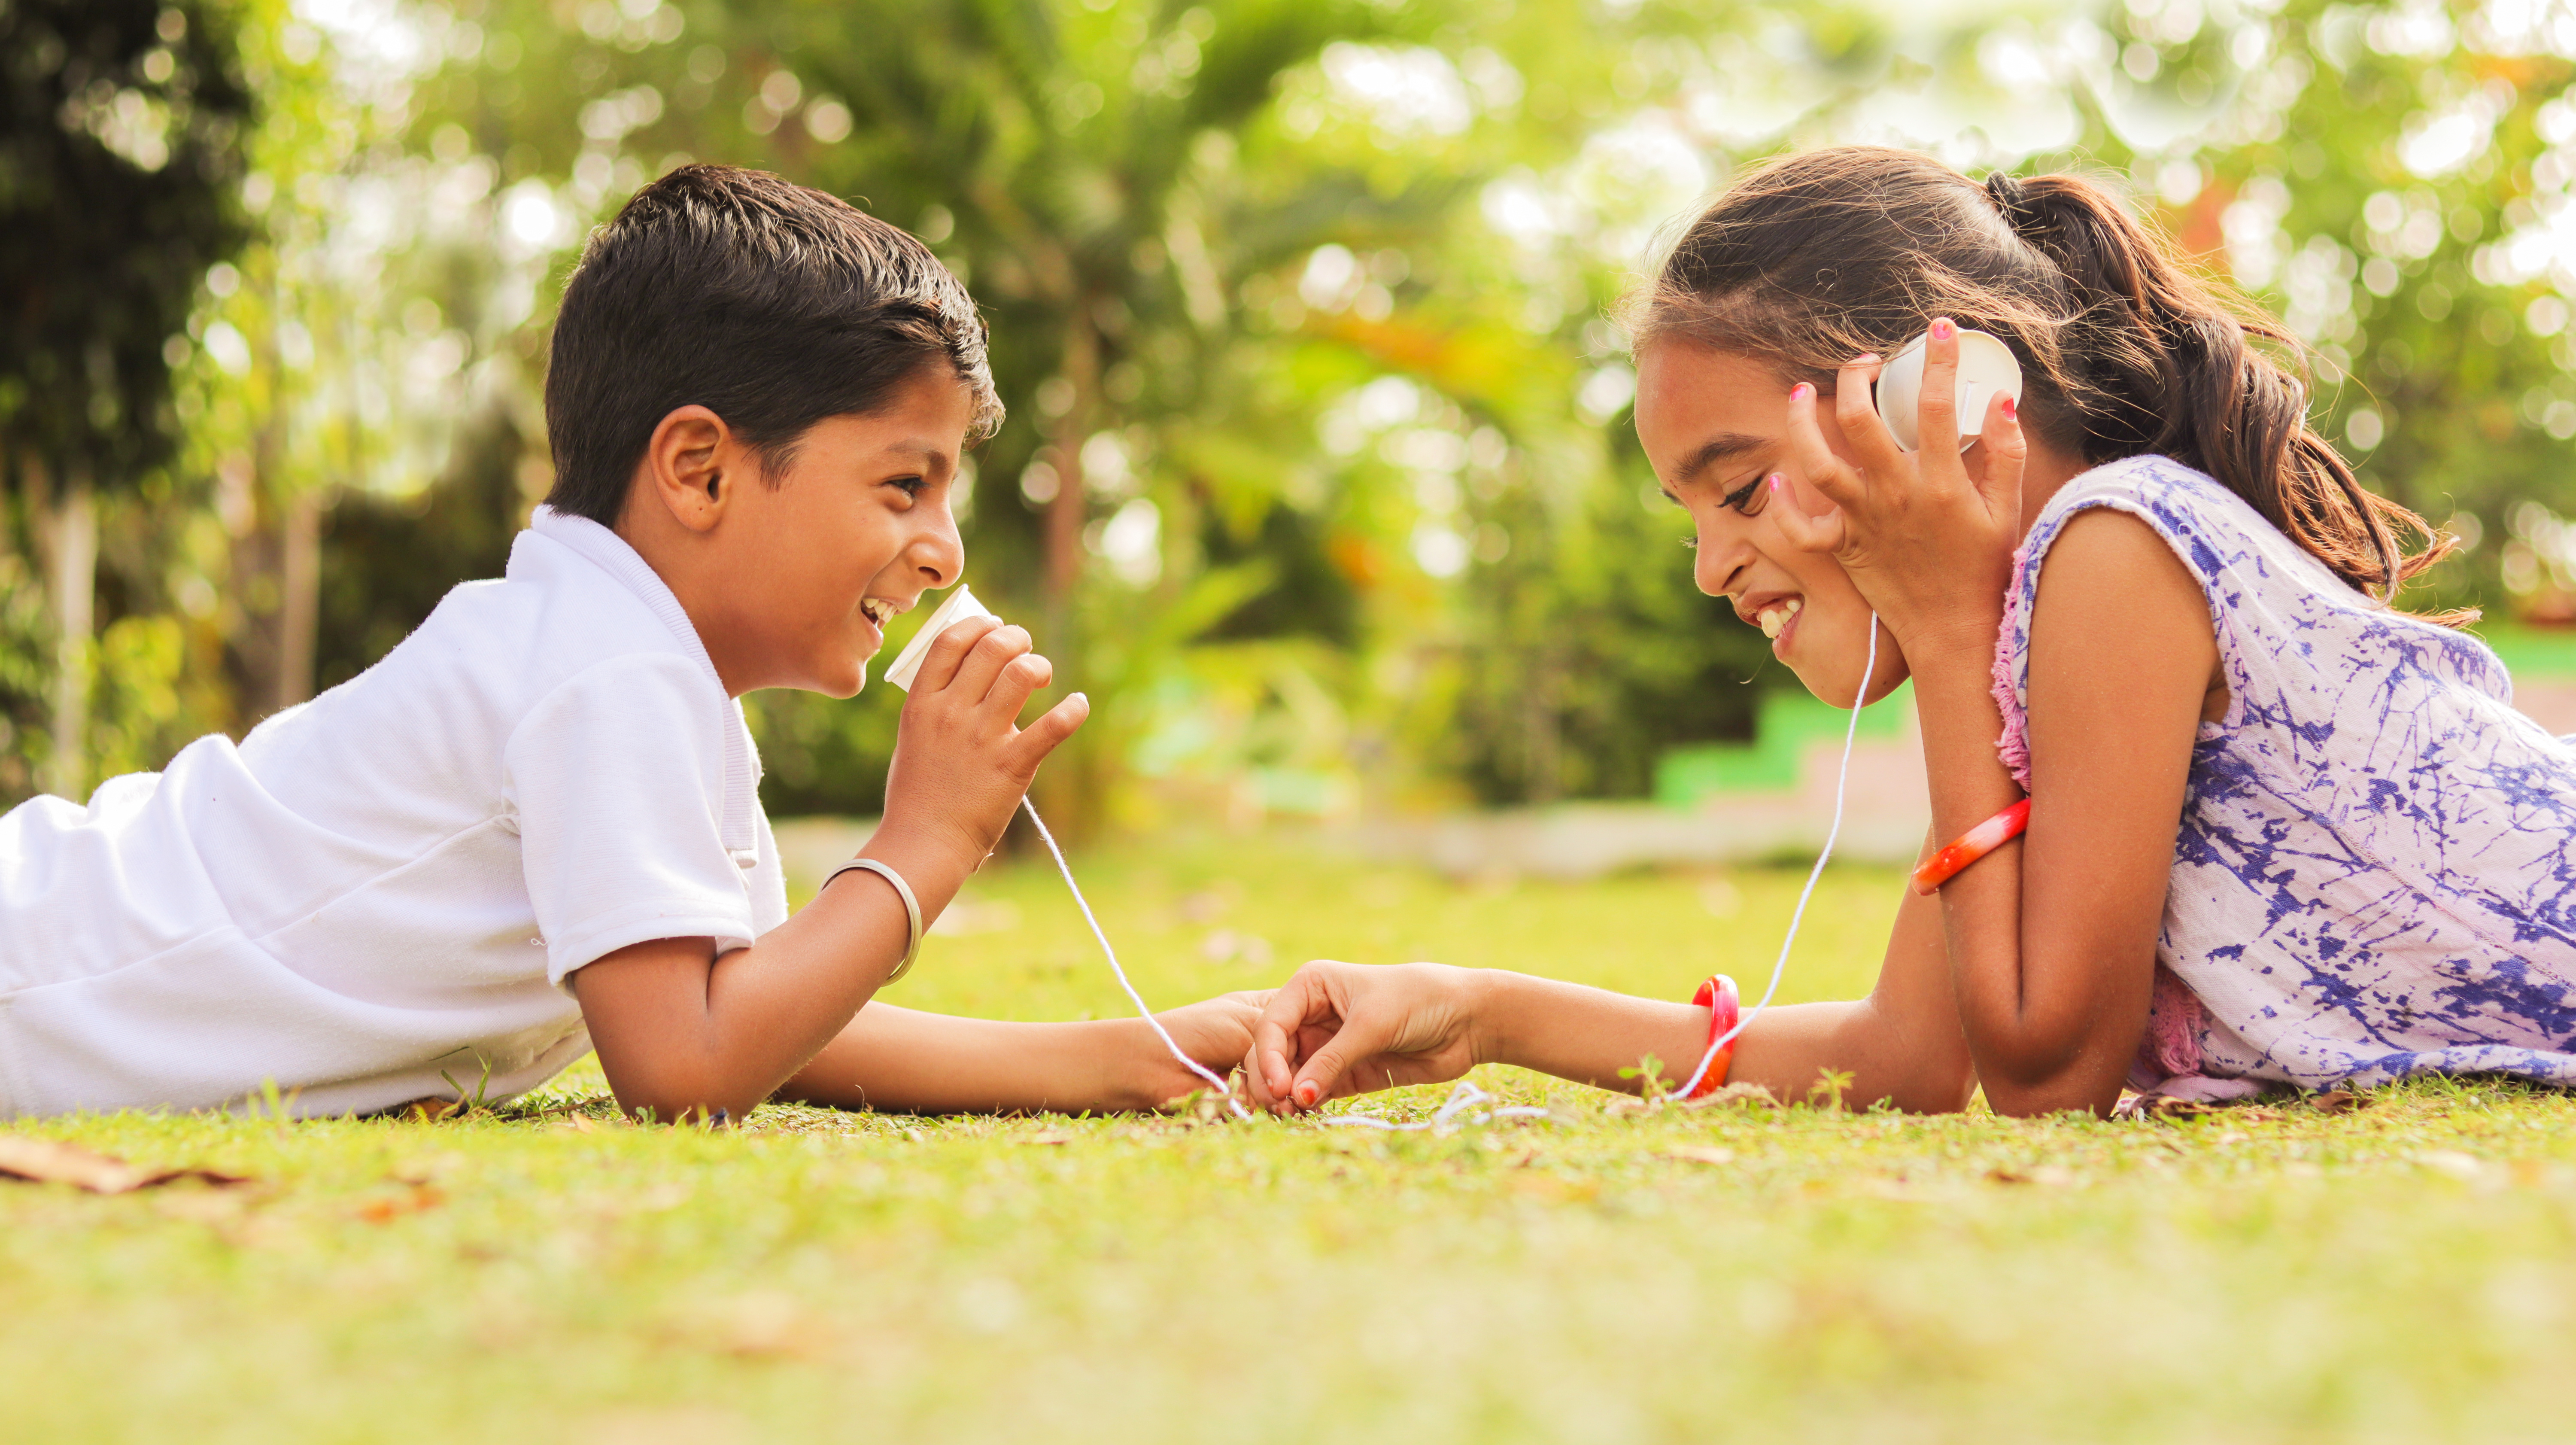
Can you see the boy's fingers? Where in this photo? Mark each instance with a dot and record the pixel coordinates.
(1937, 410)
(1048, 733)
(939, 665)
(996, 650)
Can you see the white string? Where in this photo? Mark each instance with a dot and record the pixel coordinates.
(1467, 1096)
(1842, 781)
(1462, 1098)
(1193, 1065)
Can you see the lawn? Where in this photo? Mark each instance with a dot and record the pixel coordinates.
(2399, 1271)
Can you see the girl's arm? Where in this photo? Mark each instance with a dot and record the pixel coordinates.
(1340, 1028)
(2053, 937)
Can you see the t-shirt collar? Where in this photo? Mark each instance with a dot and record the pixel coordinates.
(611, 553)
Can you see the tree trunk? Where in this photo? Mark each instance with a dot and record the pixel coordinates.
(299, 602)
(1065, 515)
(72, 555)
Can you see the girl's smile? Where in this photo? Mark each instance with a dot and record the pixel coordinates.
(1715, 426)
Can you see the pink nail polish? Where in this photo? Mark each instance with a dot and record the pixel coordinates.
(1801, 392)
(1943, 328)
(2012, 411)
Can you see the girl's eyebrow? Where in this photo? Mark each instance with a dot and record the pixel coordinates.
(1722, 447)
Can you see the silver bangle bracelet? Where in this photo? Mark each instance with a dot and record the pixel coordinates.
(911, 909)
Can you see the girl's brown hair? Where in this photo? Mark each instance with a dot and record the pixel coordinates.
(1814, 259)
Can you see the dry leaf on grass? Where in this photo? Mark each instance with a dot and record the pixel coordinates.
(1700, 1154)
(2053, 1175)
(46, 1162)
(1731, 1094)
(1050, 1137)
(385, 1209)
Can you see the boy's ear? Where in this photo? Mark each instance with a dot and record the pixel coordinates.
(690, 467)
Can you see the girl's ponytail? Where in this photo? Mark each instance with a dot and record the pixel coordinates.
(1819, 257)
(2157, 362)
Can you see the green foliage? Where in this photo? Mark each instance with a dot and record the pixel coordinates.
(120, 161)
(1313, 295)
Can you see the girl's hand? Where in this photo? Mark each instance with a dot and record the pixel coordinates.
(1347, 1028)
(1927, 538)
(961, 762)
(1217, 1032)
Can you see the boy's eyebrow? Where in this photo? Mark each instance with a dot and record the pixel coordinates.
(934, 456)
(1722, 447)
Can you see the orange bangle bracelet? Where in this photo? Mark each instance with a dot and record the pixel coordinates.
(1972, 845)
(1724, 1006)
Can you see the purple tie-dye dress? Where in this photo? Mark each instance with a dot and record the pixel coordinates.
(2376, 874)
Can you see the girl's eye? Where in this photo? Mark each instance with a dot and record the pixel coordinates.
(1747, 500)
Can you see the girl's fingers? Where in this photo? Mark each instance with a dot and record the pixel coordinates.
(1320, 1077)
(2007, 450)
(1823, 470)
(1806, 533)
(1856, 408)
(1302, 1000)
(1936, 423)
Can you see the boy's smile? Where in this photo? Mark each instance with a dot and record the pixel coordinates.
(790, 571)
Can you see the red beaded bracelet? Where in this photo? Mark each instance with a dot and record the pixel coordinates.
(1973, 844)
(1724, 1006)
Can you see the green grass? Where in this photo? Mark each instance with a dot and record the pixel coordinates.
(2399, 1272)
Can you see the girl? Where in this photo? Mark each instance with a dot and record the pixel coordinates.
(2278, 831)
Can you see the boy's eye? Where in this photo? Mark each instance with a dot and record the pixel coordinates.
(911, 485)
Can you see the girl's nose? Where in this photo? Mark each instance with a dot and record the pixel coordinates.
(1718, 561)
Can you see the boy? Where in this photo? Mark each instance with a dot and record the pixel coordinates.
(532, 829)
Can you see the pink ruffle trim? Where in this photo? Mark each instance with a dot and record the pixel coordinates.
(2175, 1019)
(2014, 746)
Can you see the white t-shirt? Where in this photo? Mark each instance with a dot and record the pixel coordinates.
(391, 882)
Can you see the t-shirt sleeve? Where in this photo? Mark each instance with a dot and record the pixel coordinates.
(618, 779)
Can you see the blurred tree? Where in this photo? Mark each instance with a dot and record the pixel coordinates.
(120, 167)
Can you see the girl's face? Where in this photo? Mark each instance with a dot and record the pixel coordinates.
(1715, 425)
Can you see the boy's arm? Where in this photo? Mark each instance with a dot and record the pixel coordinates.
(684, 1032)
(904, 1060)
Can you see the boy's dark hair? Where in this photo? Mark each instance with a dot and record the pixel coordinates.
(771, 305)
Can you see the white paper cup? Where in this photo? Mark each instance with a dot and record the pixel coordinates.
(1986, 366)
(961, 606)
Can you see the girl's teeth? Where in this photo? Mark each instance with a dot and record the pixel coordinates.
(1772, 620)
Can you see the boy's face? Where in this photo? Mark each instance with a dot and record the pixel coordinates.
(1715, 424)
(852, 530)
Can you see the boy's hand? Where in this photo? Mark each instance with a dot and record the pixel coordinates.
(1347, 1028)
(1217, 1032)
(961, 762)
